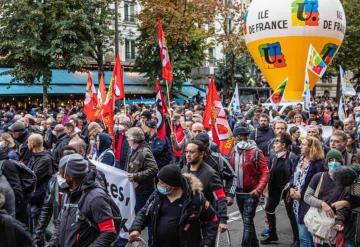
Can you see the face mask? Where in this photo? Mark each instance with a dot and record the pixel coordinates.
(162, 190)
(334, 165)
(61, 182)
(41, 128)
(2, 145)
(92, 142)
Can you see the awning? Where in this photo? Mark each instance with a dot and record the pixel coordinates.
(64, 82)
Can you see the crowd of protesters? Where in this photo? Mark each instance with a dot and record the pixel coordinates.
(51, 194)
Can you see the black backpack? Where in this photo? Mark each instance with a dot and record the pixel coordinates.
(115, 211)
(27, 176)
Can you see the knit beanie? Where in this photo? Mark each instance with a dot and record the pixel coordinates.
(171, 175)
(74, 165)
(334, 154)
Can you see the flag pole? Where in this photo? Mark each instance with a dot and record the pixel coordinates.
(168, 95)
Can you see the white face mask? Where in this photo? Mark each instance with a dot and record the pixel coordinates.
(61, 181)
(41, 128)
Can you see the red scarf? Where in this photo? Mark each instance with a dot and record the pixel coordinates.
(119, 144)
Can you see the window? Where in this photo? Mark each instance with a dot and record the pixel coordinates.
(129, 11)
(129, 49)
(211, 53)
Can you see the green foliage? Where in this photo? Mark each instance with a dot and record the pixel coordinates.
(186, 39)
(36, 36)
(349, 54)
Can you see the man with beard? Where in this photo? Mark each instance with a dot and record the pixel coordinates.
(62, 141)
(213, 186)
(263, 134)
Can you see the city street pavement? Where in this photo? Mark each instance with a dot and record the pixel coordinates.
(236, 227)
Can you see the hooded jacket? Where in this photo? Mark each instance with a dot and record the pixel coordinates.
(89, 200)
(252, 172)
(105, 154)
(42, 165)
(22, 147)
(195, 213)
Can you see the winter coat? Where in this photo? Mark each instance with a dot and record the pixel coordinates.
(49, 139)
(213, 188)
(255, 176)
(62, 141)
(195, 213)
(13, 233)
(122, 149)
(13, 155)
(161, 150)
(105, 154)
(22, 147)
(142, 163)
(89, 201)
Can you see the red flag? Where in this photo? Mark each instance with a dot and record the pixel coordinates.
(108, 110)
(101, 94)
(164, 55)
(215, 119)
(117, 76)
(161, 111)
(90, 103)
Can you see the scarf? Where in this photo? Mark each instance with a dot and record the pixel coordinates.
(118, 150)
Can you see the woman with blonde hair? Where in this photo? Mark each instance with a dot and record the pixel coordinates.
(310, 163)
(7, 144)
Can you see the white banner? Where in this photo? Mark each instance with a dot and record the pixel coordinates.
(122, 192)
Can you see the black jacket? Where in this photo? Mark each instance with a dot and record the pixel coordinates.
(49, 139)
(72, 229)
(22, 147)
(281, 170)
(104, 153)
(42, 165)
(12, 232)
(195, 213)
(11, 173)
(225, 171)
(262, 137)
(213, 188)
(62, 141)
(161, 150)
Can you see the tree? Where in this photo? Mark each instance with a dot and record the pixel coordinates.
(37, 36)
(183, 23)
(349, 54)
(236, 65)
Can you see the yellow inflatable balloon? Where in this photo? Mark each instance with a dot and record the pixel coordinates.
(278, 34)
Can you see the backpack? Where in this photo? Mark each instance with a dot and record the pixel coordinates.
(115, 211)
(27, 177)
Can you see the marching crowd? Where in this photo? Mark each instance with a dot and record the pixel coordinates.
(51, 193)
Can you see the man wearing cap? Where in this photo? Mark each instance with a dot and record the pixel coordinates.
(213, 186)
(160, 148)
(176, 211)
(9, 120)
(21, 135)
(252, 173)
(86, 216)
(141, 166)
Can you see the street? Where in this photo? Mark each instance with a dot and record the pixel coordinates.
(236, 227)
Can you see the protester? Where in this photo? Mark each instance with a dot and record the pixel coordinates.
(295, 134)
(339, 141)
(282, 164)
(7, 144)
(12, 232)
(263, 134)
(212, 184)
(104, 151)
(141, 166)
(92, 204)
(252, 173)
(310, 163)
(20, 135)
(177, 209)
(62, 140)
(122, 149)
